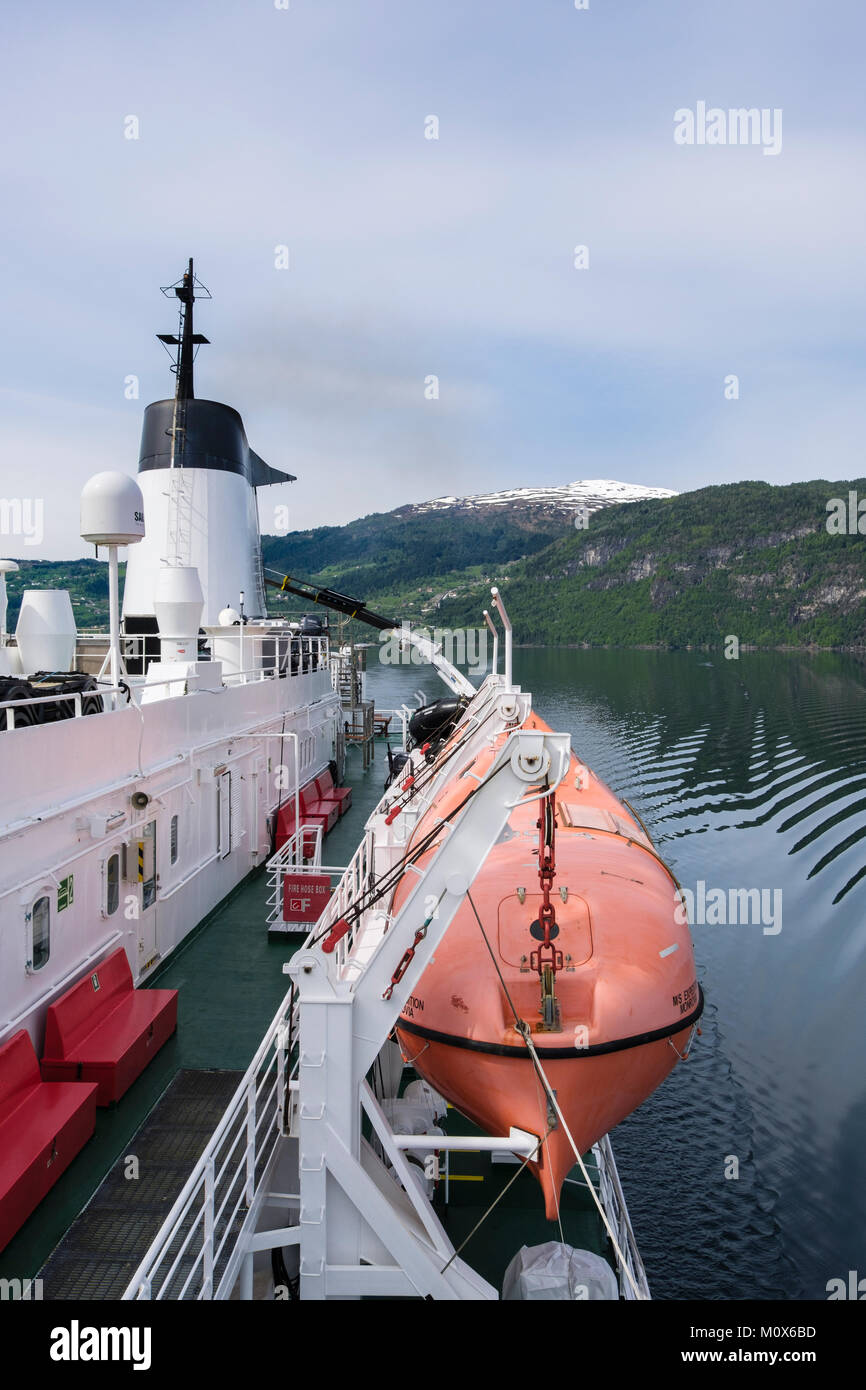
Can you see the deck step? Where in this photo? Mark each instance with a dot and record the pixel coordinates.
(103, 1247)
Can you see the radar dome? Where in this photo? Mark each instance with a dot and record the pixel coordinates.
(112, 510)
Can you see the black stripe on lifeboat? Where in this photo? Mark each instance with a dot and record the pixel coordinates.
(556, 1053)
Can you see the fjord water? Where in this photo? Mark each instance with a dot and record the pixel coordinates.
(749, 774)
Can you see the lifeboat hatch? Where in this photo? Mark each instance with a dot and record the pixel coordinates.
(574, 937)
(578, 817)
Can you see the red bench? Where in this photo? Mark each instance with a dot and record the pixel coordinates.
(104, 1030)
(315, 810)
(43, 1125)
(286, 828)
(327, 791)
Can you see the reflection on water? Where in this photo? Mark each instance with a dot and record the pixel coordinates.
(749, 774)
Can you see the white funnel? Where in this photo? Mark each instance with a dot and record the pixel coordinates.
(178, 603)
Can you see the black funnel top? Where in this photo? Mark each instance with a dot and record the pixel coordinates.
(210, 435)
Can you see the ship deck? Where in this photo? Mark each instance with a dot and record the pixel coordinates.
(86, 1233)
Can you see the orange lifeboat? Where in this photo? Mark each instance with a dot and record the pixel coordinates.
(607, 988)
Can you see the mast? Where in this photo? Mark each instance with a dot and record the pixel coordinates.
(185, 340)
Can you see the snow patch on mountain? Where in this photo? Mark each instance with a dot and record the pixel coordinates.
(590, 493)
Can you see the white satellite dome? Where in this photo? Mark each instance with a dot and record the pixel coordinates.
(229, 617)
(112, 510)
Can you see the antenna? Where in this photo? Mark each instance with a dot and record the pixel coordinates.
(185, 339)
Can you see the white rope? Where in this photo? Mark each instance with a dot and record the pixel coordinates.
(602, 1213)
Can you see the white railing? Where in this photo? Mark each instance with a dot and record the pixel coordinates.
(276, 651)
(509, 635)
(301, 853)
(355, 882)
(403, 714)
(613, 1200)
(354, 879)
(76, 696)
(197, 1252)
(359, 877)
(314, 657)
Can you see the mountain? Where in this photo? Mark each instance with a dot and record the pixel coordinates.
(591, 494)
(749, 560)
(415, 555)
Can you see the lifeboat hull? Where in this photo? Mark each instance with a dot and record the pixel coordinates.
(626, 993)
(595, 1093)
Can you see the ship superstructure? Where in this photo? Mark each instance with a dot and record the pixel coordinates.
(130, 811)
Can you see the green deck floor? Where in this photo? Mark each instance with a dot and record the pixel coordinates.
(230, 982)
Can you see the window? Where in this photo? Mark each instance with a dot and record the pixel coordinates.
(224, 814)
(173, 840)
(147, 865)
(40, 923)
(112, 885)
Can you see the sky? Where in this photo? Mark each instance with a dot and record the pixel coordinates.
(453, 258)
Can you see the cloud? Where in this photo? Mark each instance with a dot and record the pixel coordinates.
(412, 257)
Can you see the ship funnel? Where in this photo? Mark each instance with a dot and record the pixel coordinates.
(177, 603)
(200, 481)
